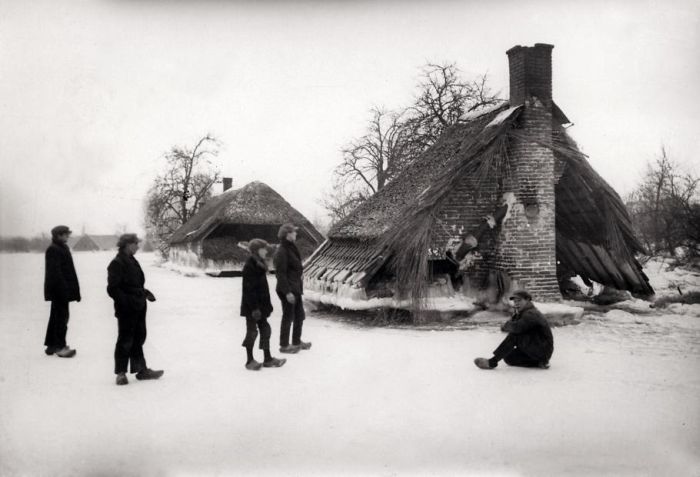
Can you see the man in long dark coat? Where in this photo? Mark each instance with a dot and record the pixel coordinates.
(60, 288)
(125, 284)
(288, 269)
(529, 342)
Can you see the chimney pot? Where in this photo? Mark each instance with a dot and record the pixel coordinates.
(530, 73)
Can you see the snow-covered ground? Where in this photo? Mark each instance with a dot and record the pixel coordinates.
(622, 396)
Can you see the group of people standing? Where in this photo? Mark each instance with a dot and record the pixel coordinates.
(256, 305)
(125, 285)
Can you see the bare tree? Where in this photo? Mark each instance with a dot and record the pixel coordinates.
(395, 138)
(665, 208)
(375, 158)
(443, 98)
(341, 200)
(183, 187)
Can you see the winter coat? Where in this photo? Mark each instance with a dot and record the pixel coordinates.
(60, 279)
(532, 332)
(125, 282)
(288, 268)
(256, 293)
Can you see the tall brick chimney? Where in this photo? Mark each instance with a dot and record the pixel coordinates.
(528, 237)
(530, 73)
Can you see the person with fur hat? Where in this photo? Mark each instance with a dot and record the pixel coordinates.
(125, 284)
(256, 306)
(60, 288)
(529, 342)
(289, 269)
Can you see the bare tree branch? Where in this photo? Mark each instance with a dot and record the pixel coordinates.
(395, 138)
(665, 208)
(182, 188)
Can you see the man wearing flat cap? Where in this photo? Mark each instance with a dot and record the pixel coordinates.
(529, 342)
(288, 269)
(125, 284)
(60, 288)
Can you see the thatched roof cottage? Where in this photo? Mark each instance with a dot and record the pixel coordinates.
(92, 243)
(503, 200)
(209, 240)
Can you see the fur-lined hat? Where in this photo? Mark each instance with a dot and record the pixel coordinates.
(256, 244)
(285, 229)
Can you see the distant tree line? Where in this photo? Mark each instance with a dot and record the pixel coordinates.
(23, 244)
(394, 138)
(665, 210)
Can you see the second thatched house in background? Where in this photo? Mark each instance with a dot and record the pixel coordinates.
(209, 240)
(93, 243)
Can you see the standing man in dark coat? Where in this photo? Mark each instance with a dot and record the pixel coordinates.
(529, 342)
(257, 307)
(125, 281)
(60, 288)
(288, 269)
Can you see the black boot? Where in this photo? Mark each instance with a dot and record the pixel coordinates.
(149, 374)
(253, 365)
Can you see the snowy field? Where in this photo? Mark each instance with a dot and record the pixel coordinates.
(622, 396)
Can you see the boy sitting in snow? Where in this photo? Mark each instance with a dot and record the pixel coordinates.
(529, 342)
(256, 306)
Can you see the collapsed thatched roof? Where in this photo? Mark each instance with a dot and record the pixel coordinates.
(254, 204)
(595, 236)
(377, 215)
(594, 232)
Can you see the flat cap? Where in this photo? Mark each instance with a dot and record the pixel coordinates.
(521, 294)
(60, 230)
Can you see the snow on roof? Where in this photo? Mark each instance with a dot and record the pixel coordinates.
(502, 116)
(471, 115)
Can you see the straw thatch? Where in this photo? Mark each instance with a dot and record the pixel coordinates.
(254, 204)
(375, 217)
(391, 233)
(210, 238)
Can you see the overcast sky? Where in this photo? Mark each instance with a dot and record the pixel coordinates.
(92, 93)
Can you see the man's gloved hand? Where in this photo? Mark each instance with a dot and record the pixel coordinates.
(150, 296)
(257, 315)
(291, 299)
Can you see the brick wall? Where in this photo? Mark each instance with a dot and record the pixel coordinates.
(527, 242)
(525, 245)
(463, 212)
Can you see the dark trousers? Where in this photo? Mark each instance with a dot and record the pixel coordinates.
(132, 336)
(251, 334)
(509, 352)
(58, 325)
(291, 314)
